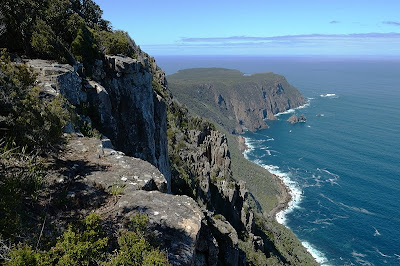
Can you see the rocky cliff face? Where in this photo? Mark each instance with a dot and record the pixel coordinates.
(120, 102)
(232, 99)
(128, 101)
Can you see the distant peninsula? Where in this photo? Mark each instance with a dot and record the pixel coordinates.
(232, 99)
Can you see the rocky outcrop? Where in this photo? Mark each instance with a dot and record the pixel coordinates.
(121, 103)
(224, 200)
(126, 172)
(178, 223)
(217, 191)
(294, 119)
(227, 240)
(55, 79)
(139, 114)
(238, 102)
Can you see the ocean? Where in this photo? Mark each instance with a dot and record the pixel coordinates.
(343, 164)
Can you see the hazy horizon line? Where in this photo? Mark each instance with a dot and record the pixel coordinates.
(281, 56)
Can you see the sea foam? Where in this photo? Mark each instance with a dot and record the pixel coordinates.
(294, 191)
(318, 255)
(328, 95)
(294, 109)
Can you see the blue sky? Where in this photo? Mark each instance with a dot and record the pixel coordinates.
(259, 27)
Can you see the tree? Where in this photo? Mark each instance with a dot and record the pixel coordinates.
(84, 47)
(18, 19)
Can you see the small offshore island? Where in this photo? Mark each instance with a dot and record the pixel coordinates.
(102, 165)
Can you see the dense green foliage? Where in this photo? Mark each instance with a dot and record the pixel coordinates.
(117, 42)
(64, 30)
(86, 244)
(25, 118)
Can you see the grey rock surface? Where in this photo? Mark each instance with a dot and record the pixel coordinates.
(132, 115)
(177, 221)
(127, 110)
(55, 78)
(210, 162)
(294, 119)
(116, 169)
(227, 239)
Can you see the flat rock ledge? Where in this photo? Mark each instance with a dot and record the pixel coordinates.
(128, 173)
(177, 221)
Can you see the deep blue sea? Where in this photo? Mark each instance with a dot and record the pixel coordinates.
(343, 164)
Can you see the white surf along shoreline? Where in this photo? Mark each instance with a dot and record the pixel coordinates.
(293, 188)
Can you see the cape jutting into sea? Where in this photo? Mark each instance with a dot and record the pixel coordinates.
(342, 165)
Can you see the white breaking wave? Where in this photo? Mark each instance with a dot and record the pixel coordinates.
(296, 194)
(333, 180)
(328, 95)
(383, 255)
(294, 109)
(294, 191)
(360, 258)
(250, 147)
(318, 255)
(353, 208)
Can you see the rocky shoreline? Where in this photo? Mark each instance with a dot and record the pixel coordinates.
(242, 144)
(284, 196)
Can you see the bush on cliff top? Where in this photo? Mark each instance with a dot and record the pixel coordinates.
(87, 245)
(116, 42)
(63, 30)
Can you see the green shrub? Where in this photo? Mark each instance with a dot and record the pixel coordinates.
(43, 40)
(21, 180)
(83, 246)
(84, 47)
(134, 248)
(116, 42)
(25, 118)
(254, 258)
(22, 255)
(139, 223)
(117, 189)
(86, 246)
(40, 120)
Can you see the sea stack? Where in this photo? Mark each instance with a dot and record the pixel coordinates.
(294, 119)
